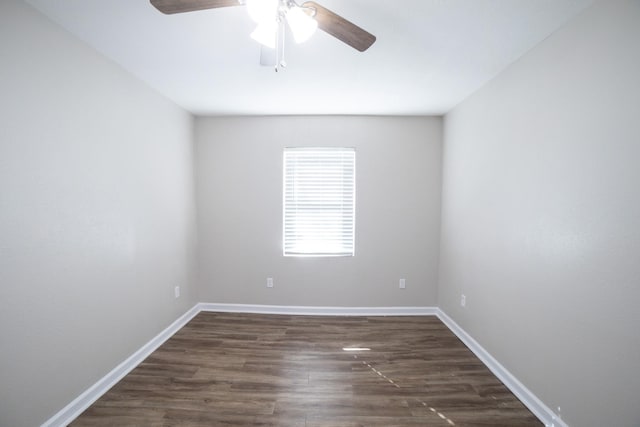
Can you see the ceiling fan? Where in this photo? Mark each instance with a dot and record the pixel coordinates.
(270, 16)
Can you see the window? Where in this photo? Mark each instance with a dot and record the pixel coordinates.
(319, 201)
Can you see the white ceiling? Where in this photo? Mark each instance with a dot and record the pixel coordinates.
(429, 55)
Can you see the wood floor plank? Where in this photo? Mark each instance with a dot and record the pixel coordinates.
(229, 369)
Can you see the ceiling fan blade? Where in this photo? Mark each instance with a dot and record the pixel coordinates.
(340, 28)
(180, 6)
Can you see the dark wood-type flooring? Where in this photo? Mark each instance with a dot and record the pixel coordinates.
(225, 369)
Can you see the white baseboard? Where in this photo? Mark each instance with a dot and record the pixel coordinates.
(70, 412)
(319, 311)
(93, 393)
(530, 400)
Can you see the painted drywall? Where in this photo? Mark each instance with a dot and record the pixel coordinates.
(97, 219)
(239, 199)
(541, 211)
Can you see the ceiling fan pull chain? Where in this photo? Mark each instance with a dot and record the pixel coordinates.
(280, 34)
(278, 53)
(282, 62)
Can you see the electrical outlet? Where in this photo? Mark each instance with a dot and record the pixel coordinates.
(269, 282)
(557, 417)
(176, 291)
(463, 300)
(402, 284)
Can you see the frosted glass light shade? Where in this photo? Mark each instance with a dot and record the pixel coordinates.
(262, 10)
(265, 33)
(302, 25)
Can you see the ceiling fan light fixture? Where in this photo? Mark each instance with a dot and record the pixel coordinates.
(265, 34)
(263, 10)
(302, 25)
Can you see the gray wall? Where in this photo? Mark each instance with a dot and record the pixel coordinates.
(541, 202)
(239, 196)
(96, 216)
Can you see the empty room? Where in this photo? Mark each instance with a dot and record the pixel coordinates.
(320, 214)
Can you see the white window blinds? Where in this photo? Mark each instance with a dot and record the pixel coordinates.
(319, 201)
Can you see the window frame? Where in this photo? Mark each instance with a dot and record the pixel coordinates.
(348, 189)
